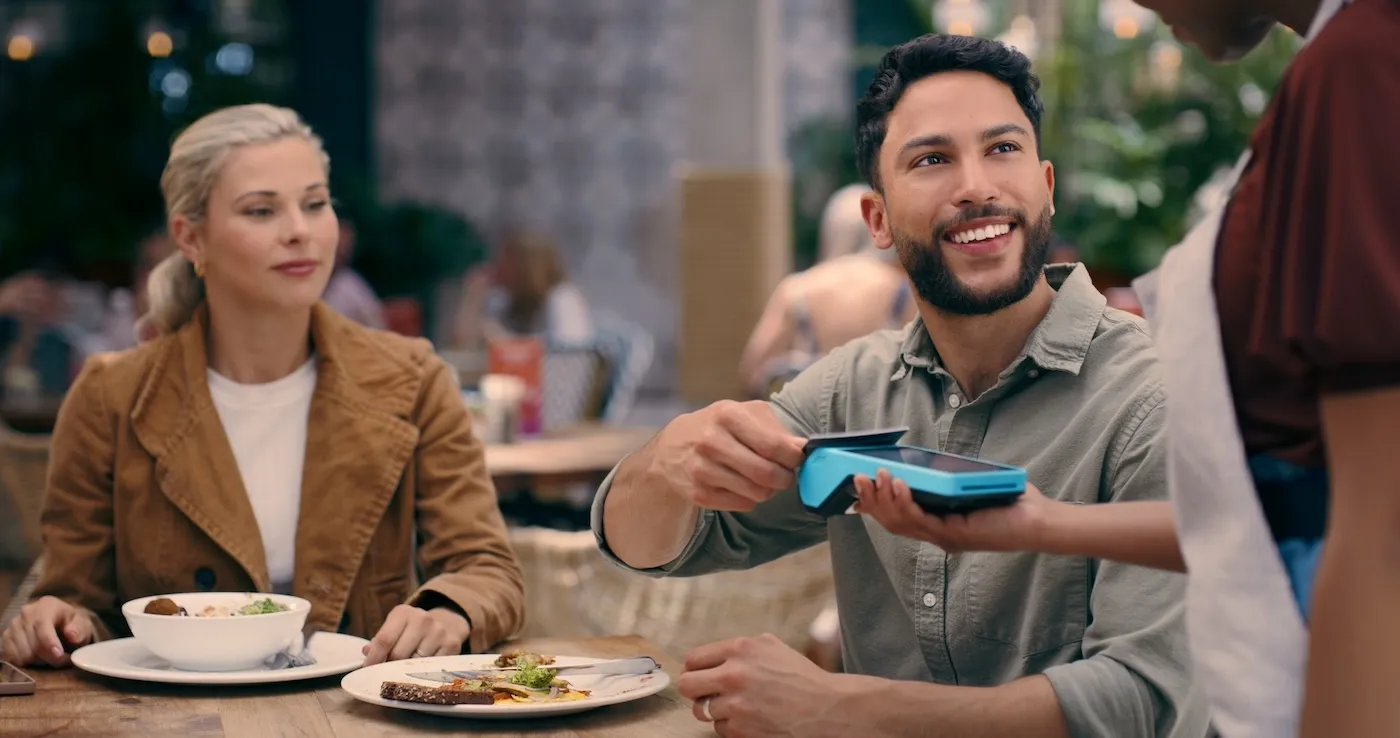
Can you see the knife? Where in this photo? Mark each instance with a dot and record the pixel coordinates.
(635, 666)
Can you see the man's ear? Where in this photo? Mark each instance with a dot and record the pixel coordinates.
(1050, 182)
(877, 221)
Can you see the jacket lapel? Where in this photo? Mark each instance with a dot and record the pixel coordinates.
(175, 421)
(359, 444)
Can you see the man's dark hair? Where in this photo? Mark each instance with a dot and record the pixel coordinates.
(926, 56)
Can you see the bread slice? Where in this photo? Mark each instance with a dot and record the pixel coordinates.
(404, 692)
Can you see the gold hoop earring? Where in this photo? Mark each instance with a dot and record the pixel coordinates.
(199, 270)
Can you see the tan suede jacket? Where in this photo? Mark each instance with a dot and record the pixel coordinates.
(144, 496)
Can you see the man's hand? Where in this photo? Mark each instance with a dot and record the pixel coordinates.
(411, 632)
(1012, 528)
(760, 687)
(729, 456)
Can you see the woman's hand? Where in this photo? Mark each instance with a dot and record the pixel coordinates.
(42, 629)
(1017, 527)
(411, 632)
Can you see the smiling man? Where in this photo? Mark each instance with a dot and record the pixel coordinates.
(1009, 361)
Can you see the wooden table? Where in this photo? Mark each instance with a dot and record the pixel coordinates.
(585, 453)
(74, 703)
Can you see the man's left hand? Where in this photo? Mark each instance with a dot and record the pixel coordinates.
(761, 687)
(411, 632)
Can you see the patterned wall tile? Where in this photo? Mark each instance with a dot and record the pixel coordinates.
(568, 116)
(818, 52)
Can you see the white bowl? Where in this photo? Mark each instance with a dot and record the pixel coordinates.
(220, 643)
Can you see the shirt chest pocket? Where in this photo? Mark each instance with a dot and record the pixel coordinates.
(1033, 603)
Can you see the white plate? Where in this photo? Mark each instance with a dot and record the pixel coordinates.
(124, 658)
(363, 685)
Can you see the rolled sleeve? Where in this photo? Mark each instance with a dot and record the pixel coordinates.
(726, 541)
(703, 554)
(1134, 681)
(1135, 678)
(1105, 699)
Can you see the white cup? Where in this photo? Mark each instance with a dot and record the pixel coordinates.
(502, 394)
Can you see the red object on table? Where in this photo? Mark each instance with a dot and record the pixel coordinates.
(523, 358)
(403, 315)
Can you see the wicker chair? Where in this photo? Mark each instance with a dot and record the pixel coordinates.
(573, 591)
(570, 386)
(629, 350)
(24, 463)
(22, 594)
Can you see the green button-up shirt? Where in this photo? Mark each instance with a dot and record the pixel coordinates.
(1081, 409)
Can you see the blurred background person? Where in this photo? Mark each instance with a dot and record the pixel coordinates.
(842, 231)
(348, 293)
(155, 247)
(36, 357)
(856, 289)
(118, 329)
(524, 291)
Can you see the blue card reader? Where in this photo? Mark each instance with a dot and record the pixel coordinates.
(941, 483)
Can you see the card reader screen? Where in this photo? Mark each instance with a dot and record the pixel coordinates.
(929, 460)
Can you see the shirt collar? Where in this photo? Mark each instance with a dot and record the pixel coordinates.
(1326, 10)
(1059, 343)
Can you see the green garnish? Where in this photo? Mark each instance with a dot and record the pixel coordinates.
(264, 606)
(533, 676)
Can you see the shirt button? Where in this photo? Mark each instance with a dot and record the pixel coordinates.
(954, 400)
(930, 600)
(1033, 373)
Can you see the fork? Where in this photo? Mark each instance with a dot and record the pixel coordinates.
(633, 666)
(292, 657)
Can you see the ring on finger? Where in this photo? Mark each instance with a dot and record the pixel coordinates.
(705, 709)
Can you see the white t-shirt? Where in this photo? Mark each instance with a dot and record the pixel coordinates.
(266, 427)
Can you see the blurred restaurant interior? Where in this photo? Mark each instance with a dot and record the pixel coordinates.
(662, 164)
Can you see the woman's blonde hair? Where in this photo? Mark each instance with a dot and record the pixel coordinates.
(538, 270)
(196, 158)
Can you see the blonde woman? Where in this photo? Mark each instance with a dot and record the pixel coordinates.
(525, 292)
(261, 442)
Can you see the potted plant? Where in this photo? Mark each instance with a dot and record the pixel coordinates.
(406, 250)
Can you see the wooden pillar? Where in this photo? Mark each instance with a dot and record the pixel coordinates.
(735, 192)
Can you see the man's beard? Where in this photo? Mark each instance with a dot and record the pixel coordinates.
(939, 287)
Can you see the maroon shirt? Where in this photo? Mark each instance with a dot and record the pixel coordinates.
(1308, 264)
